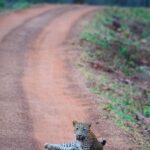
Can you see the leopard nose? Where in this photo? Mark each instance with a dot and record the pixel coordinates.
(79, 136)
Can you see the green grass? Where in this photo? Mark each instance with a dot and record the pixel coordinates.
(122, 101)
(120, 96)
(118, 101)
(124, 46)
(147, 111)
(99, 39)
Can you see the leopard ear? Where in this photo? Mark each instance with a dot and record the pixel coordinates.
(74, 123)
(103, 142)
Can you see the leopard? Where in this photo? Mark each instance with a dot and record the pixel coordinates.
(85, 139)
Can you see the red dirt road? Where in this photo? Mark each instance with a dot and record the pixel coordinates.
(45, 82)
(39, 96)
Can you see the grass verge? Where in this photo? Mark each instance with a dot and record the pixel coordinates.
(112, 47)
(120, 38)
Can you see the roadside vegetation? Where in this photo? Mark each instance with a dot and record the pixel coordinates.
(115, 60)
(20, 4)
(14, 5)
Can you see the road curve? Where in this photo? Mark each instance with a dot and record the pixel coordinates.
(39, 95)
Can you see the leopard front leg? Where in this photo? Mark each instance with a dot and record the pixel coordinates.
(50, 147)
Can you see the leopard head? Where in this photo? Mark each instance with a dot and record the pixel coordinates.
(81, 130)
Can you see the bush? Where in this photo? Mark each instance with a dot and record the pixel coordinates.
(21, 5)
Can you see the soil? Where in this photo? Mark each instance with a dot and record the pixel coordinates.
(41, 92)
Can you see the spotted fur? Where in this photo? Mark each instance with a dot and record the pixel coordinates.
(65, 146)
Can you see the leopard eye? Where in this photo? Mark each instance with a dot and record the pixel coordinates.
(84, 129)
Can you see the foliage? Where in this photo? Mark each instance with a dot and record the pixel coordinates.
(2, 4)
(117, 99)
(17, 3)
(14, 4)
(123, 45)
(147, 111)
(21, 5)
(119, 50)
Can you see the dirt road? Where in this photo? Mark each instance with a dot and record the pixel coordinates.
(39, 96)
